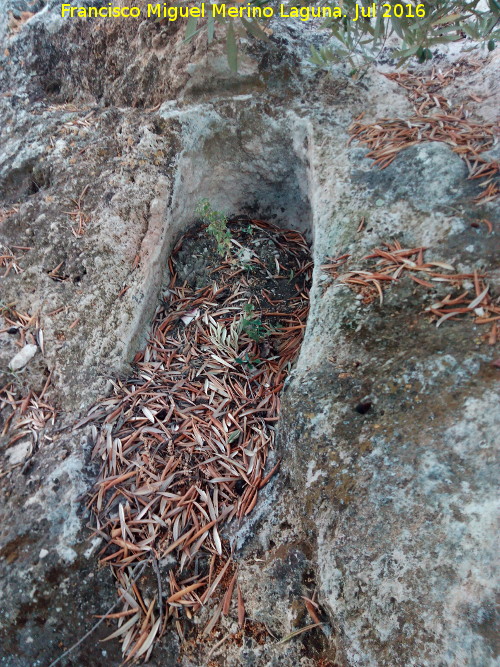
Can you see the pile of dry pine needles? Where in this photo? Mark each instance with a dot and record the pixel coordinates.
(184, 443)
(434, 120)
(393, 261)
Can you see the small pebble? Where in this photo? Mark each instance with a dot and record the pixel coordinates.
(23, 357)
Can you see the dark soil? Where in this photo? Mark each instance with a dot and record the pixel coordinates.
(260, 256)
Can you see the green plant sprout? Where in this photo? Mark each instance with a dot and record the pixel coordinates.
(250, 362)
(252, 326)
(217, 226)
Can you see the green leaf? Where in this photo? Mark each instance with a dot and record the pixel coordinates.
(378, 26)
(254, 29)
(491, 45)
(315, 56)
(231, 49)
(452, 18)
(443, 39)
(406, 53)
(191, 28)
(368, 28)
(397, 26)
(336, 34)
(210, 28)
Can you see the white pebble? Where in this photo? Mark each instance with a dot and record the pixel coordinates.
(22, 357)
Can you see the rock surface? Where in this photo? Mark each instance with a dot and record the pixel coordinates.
(388, 512)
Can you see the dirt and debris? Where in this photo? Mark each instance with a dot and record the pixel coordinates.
(434, 120)
(393, 262)
(25, 411)
(185, 441)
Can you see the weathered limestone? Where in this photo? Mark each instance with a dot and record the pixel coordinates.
(388, 514)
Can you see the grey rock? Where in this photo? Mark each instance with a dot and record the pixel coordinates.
(429, 176)
(386, 513)
(23, 357)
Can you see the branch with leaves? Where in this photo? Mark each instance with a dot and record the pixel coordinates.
(418, 27)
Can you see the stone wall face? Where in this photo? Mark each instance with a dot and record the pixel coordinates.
(388, 512)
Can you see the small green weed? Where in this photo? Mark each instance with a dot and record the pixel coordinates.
(217, 226)
(250, 362)
(252, 326)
